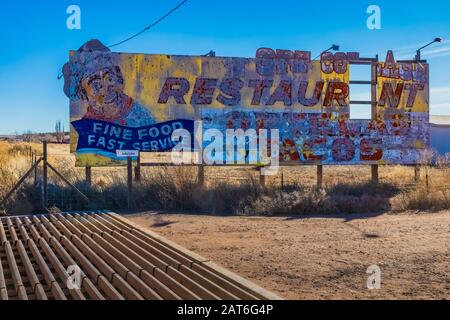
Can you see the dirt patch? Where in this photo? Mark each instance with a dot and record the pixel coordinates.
(322, 257)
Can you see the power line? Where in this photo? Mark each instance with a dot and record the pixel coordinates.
(60, 75)
(152, 25)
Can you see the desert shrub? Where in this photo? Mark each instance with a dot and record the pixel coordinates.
(443, 161)
(18, 149)
(420, 199)
(224, 198)
(170, 187)
(313, 201)
(177, 188)
(361, 189)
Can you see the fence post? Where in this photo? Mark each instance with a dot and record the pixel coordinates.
(130, 182)
(89, 175)
(375, 178)
(262, 178)
(416, 173)
(30, 155)
(201, 175)
(137, 169)
(45, 173)
(320, 176)
(35, 168)
(374, 111)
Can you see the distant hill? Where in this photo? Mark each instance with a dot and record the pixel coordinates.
(7, 137)
(440, 133)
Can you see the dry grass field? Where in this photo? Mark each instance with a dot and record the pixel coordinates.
(231, 190)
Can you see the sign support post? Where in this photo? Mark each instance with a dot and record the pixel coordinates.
(201, 175)
(129, 154)
(137, 169)
(89, 175)
(45, 178)
(35, 159)
(320, 176)
(374, 115)
(262, 178)
(130, 182)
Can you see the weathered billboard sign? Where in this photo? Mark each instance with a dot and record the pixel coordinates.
(121, 101)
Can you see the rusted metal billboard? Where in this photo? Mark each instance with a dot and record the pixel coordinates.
(121, 101)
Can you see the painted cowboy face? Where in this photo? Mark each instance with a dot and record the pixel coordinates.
(103, 90)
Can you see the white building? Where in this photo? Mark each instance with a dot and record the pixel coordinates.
(440, 133)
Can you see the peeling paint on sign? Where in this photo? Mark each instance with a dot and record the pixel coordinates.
(307, 100)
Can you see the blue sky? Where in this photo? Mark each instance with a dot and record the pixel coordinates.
(35, 40)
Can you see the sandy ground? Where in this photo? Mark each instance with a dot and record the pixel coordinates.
(322, 257)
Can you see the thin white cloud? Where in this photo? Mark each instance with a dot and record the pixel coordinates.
(440, 100)
(440, 95)
(440, 109)
(445, 54)
(440, 90)
(440, 105)
(437, 50)
(441, 50)
(409, 48)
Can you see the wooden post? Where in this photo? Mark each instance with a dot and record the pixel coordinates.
(417, 173)
(373, 90)
(137, 169)
(130, 182)
(262, 178)
(35, 168)
(88, 175)
(375, 178)
(320, 176)
(374, 113)
(45, 178)
(201, 175)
